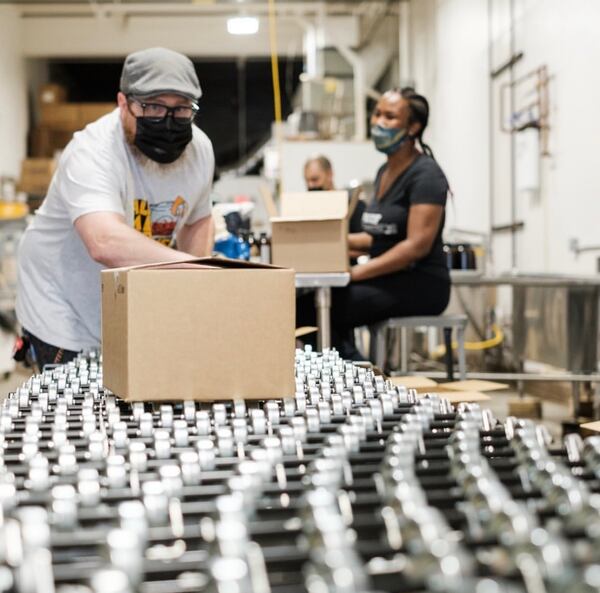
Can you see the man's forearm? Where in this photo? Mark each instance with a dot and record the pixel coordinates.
(127, 247)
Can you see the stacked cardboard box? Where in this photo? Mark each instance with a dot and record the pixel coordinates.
(72, 116)
(60, 119)
(36, 174)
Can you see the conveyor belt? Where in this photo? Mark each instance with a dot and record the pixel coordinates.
(353, 486)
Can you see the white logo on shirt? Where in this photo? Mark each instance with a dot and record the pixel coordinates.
(371, 218)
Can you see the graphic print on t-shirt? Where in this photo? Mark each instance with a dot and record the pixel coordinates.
(159, 220)
(372, 224)
(141, 217)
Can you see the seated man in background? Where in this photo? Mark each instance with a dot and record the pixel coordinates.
(318, 175)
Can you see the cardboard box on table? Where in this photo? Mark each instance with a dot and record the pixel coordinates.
(207, 329)
(310, 235)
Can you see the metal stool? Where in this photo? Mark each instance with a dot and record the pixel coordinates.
(446, 322)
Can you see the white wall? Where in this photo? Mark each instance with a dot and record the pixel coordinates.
(451, 67)
(564, 35)
(350, 161)
(13, 94)
(116, 36)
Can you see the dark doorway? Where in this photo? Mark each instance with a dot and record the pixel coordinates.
(236, 109)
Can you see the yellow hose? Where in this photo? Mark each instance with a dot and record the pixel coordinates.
(496, 340)
(274, 61)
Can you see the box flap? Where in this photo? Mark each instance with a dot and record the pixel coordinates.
(591, 426)
(457, 397)
(179, 266)
(305, 330)
(354, 199)
(414, 382)
(203, 263)
(268, 200)
(314, 205)
(475, 385)
(225, 262)
(305, 218)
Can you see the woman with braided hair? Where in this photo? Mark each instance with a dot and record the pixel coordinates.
(406, 273)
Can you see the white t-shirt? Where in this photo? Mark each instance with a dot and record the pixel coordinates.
(58, 298)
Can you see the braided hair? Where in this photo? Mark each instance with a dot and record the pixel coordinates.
(418, 107)
(418, 113)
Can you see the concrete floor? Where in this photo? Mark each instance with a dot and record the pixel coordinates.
(13, 381)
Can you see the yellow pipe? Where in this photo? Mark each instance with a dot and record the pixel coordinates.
(274, 61)
(496, 340)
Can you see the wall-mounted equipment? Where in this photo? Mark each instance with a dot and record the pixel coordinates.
(529, 107)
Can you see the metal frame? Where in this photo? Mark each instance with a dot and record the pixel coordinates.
(378, 333)
(322, 283)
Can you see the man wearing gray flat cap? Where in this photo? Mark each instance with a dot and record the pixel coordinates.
(128, 189)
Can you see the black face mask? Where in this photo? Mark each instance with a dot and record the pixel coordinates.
(162, 141)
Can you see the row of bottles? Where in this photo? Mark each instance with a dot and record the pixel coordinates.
(259, 247)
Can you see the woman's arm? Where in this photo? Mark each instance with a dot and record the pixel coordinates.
(423, 225)
(360, 242)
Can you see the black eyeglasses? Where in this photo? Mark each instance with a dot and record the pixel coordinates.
(158, 112)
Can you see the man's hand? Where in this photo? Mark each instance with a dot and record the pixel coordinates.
(113, 243)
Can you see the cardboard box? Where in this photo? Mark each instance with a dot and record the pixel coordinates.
(60, 116)
(421, 384)
(311, 233)
(45, 141)
(36, 175)
(589, 429)
(475, 385)
(89, 112)
(52, 93)
(458, 397)
(207, 329)
(71, 117)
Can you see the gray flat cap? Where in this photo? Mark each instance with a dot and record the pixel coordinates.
(159, 70)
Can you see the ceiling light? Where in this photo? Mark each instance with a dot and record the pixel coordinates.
(242, 25)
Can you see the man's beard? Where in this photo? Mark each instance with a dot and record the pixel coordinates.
(150, 165)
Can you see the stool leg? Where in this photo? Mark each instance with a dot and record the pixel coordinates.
(462, 364)
(373, 343)
(404, 349)
(449, 361)
(378, 345)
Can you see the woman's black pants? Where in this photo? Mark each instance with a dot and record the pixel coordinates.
(403, 294)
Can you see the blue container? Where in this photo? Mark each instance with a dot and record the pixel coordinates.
(233, 247)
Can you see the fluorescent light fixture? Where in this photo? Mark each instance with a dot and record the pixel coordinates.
(242, 25)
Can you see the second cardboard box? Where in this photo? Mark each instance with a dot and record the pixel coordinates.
(310, 236)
